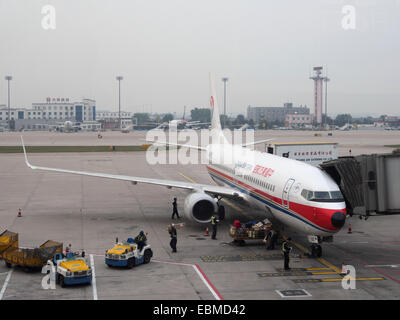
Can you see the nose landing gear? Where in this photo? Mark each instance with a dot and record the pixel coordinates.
(316, 251)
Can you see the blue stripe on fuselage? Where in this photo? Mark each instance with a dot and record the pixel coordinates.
(266, 202)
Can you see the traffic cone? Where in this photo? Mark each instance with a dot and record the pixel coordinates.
(19, 213)
(349, 228)
(343, 269)
(206, 232)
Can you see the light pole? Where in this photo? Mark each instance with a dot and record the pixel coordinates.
(119, 78)
(225, 80)
(9, 78)
(326, 79)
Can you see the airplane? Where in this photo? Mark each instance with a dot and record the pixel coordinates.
(67, 126)
(293, 194)
(178, 124)
(127, 129)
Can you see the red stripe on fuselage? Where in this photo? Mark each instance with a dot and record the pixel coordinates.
(318, 216)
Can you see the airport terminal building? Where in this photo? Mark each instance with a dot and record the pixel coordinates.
(59, 109)
(62, 109)
(269, 114)
(50, 112)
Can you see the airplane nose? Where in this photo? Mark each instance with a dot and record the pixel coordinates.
(338, 219)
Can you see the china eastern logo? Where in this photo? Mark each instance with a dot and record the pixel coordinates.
(263, 171)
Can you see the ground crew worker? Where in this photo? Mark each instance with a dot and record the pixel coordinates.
(272, 240)
(175, 209)
(141, 240)
(267, 240)
(172, 232)
(214, 222)
(285, 250)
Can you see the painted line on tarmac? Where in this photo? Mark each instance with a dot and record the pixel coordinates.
(372, 268)
(321, 260)
(383, 265)
(196, 267)
(187, 178)
(332, 280)
(200, 273)
(93, 278)
(3, 290)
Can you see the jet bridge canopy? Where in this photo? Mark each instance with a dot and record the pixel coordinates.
(369, 183)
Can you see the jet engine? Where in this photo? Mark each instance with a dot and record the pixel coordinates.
(200, 207)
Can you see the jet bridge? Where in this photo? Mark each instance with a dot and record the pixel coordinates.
(370, 183)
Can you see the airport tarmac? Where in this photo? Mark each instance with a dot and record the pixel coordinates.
(91, 212)
(360, 141)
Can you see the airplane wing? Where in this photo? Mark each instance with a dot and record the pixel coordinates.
(255, 142)
(192, 123)
(209, 189)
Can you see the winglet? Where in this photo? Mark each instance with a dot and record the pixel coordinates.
(26, 157)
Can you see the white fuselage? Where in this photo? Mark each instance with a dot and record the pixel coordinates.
(275, 184)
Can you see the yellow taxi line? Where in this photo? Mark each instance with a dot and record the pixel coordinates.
(329, 265)
(187, 178)
(357, 279)
(322, 273)
(321, 260)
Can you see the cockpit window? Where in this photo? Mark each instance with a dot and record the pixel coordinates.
(337, 195)
(322, 196)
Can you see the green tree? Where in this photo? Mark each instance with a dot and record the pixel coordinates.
(141, 117)
(329, 120)
(342, 119)
(240, 119)
(201, 114)
(226, 122)
(168, 117)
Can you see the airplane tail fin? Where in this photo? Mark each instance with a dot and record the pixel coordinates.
(215, 120)
(217, 134)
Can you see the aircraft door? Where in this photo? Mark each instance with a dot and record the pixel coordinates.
(285, 193)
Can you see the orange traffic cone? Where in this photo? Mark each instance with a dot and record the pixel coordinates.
(349, 228)
(206, 232)
(19, 213)
(343, 269)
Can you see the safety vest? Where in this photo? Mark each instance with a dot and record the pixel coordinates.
(173, 233)
(213, 220)
(284, 247)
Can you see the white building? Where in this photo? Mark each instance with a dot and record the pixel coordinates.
(59, 109)
(62, 109)
(108, 115)
(298, 120)
(110, 119)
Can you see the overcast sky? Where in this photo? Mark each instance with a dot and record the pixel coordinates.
(165, 49)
